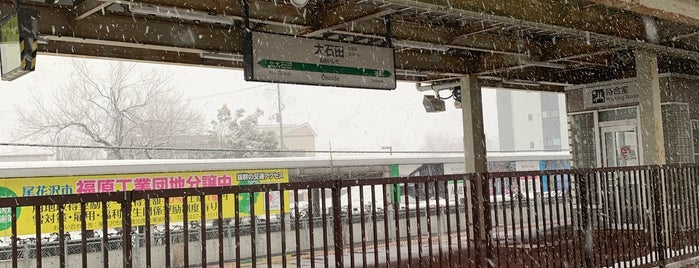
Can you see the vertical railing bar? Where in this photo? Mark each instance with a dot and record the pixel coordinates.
(596, 215)
(457, 206)
(419, 223)
(630, 214)
(396, 221)
(641, 215)
(679, 224)
(375, 233)
(682, 210)
(450, 251)
(537, 199)
(202, 224)
(438, 211)
(551, 219)
(637, 218)
(470, 214)
(236, 208)
(14, 238)
(407, 223)
(518, 200)
(147, 229)
(324, 219)
(575, 218)
(628, 231)
(362, 224)
(670, 201)
(583, 208)
(337, 223)
(624, 215)
(675, 196)
(529, 226)
(694, 174)
(418, 212)
(185, 228)
(645, 205)
(659, 214)
(168, 232)
(61, 236)
(544, 201)
(428, 216)
(385, 225)
(311, 226)
(487, 222)
(126, 227)
(282, 210)
(37, 219)
(253, 229)
(476, 210)
(219, 207)
(596, 222)
(83, 237)
(351, 226)
(603, 189)
(512, 216)
(268, 230)
(554, 179)
(499, 205)
(616, 251)
(297, 228)
(691, 180)
(569, 258)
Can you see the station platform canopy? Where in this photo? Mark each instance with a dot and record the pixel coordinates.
(533, 44)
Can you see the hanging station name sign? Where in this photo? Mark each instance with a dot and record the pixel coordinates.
(608, 95)
(298, 60)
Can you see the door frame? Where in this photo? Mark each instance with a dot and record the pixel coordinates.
(617, 128)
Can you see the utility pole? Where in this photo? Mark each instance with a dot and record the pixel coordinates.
(279, 118)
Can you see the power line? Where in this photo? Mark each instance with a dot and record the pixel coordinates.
(229, 92)
(218, 149)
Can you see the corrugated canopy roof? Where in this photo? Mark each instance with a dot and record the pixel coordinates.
(534, 44)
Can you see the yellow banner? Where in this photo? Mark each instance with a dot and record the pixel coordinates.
(16, 187)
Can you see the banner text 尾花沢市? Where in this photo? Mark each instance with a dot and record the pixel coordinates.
(43, 186)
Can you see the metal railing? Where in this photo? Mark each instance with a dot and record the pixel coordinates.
(628, 217)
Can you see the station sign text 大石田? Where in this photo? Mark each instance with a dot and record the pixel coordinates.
(299, 60)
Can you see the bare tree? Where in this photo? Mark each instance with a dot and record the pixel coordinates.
(123, 107)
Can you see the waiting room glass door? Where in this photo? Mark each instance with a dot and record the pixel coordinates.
(623, 196)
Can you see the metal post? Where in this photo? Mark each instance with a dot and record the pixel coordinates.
(126, 233)
(337, 223)
(585, 225)
(658, 214)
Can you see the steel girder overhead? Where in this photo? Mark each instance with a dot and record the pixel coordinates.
(535, 44)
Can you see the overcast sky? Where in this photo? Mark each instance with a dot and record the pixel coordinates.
(347, 119)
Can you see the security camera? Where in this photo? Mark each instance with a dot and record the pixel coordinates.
(433, 104)
(457, 104)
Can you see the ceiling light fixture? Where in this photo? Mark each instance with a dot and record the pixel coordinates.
(184, 14)
(420, 45)
(299, 3)
(221, 56)
(522, 83)
(195, 15)
(543, 64)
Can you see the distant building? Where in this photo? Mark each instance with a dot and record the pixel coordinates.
(530, 121)
(299, 137)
